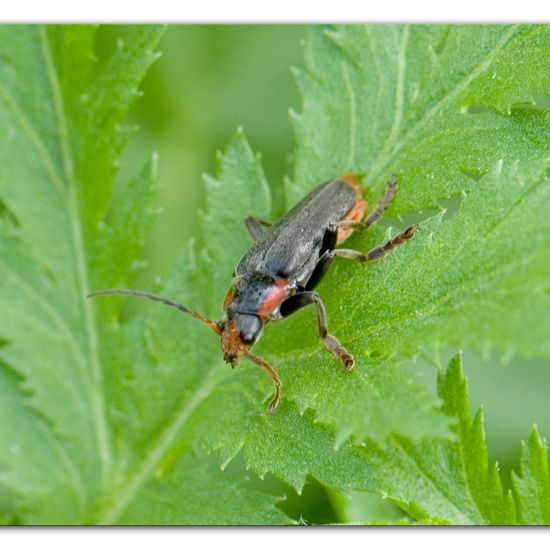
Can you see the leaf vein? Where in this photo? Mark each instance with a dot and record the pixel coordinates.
(99, 412)
(34, 138)
(112, 512)
(353, 118)
(383, 159)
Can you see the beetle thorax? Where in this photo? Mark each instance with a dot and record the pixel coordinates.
(256, 294)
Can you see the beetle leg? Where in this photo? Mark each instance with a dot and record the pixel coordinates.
(380, 251)
(376, 214)
(254, 226)
(272, 374)
(331, 343)
(321, 268)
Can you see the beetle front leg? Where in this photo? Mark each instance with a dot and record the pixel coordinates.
(380, 251)
(331, 343)
(272, 374)
(254, 226)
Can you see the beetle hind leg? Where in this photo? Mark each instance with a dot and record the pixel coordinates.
(378, 252)
(376, 214)
(331, 343)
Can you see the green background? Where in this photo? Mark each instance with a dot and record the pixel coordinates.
(210, 80)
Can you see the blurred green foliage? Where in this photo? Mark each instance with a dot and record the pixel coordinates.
(210, 80)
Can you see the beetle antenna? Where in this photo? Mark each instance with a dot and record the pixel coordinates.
(140, 293)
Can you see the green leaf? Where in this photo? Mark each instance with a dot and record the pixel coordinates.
(76, 446)
(532, 486)
(55, 437)
(204, 497)
(469, 280)
(430, 103)
(446, 482)
(454, 482)
(104, 420)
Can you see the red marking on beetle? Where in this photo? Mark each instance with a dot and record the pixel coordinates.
(354, 215)
(274, 299)
(228, 298)
(351, 180)
(357, 210)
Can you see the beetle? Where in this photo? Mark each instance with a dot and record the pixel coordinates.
(288, 259)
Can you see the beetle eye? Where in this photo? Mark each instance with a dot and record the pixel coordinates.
(247, 337)
(249, 327)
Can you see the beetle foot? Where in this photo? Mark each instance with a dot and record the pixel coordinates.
(347, 360)
(333, 345)
(274, 404)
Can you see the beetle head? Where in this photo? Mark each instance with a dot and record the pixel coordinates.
(239, 333)
(243, 320)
